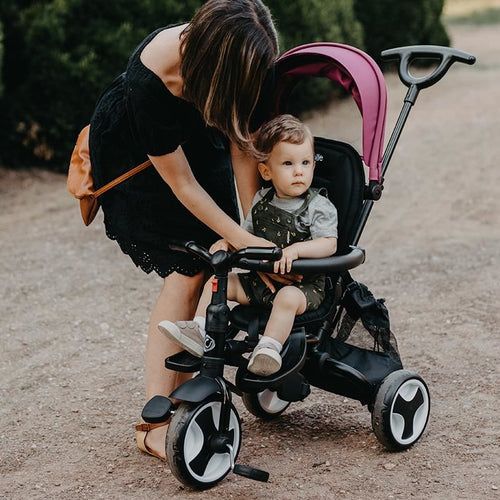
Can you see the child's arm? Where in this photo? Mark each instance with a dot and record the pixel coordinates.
(312, 249)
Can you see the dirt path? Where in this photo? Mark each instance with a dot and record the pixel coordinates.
(75, 311)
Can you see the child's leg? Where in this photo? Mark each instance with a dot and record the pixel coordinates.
(190, 335)
(288, 302)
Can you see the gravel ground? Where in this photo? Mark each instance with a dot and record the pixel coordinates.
(75, 314)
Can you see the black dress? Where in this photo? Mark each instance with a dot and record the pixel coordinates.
(136, 116)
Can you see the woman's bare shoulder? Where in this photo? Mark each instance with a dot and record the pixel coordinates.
(161, 56)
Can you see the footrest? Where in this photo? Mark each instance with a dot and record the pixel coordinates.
(157, 410)
(293, 355)
(183, 362)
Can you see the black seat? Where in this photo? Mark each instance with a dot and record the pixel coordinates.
(339, 169)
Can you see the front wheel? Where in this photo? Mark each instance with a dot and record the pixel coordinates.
(190, 443)
(266, 404)
(401, 410)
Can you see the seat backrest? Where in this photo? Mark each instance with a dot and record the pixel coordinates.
(340, 170)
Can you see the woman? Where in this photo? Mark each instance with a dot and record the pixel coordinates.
(185, 101)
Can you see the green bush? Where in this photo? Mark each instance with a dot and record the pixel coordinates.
(69, 51)
(307, 21)
(1, 60)
(60, 54)
(396, 23)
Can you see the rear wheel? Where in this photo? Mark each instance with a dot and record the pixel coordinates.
(190, 443)
(266, 404)
(401, 410)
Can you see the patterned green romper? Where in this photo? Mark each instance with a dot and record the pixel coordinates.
(278, 225)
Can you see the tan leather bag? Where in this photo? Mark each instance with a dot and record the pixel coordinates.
(81, 183)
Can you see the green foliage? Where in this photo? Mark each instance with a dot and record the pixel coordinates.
(58, 55)
(396, 23)
(1, 60)
(308, 21)
(62, 54)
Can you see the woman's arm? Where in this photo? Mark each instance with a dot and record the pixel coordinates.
(247, 177)
(176, 172)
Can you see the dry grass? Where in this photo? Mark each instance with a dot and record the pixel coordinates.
(460, 8)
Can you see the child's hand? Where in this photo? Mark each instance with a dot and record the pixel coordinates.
(219, 245)
(284, 265)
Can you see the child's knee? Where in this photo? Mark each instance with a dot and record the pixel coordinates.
(291, 298)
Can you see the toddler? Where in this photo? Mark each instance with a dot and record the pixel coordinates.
(293, 216)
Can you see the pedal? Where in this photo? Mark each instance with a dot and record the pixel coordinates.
(158, 409)
(183, 362)
(246, 470)
(251, 473)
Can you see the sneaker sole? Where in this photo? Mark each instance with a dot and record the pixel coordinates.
(172, 332)
(266, 362)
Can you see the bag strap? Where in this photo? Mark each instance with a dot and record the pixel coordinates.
(120, 179)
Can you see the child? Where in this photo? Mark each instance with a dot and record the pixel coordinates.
(294, 217)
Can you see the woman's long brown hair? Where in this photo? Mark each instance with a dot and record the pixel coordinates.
(226, 51)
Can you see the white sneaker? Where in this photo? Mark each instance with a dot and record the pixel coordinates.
(185, 334)
(264, 361)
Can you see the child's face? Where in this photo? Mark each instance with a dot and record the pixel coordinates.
(290, 168)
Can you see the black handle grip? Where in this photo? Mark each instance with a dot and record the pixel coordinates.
(406, 55)
(335, 264)
(190, 247)
(259, 253)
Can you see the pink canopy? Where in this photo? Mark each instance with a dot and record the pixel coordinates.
(357, 73)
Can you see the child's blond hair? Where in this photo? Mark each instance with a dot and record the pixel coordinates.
(283, 128)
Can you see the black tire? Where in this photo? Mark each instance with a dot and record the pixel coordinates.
(189, 455)
(265, 405)
(401, 410)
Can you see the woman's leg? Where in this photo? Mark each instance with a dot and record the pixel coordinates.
(177, 301)
(235, 293)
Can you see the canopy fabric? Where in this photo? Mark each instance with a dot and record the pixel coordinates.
(357, 73)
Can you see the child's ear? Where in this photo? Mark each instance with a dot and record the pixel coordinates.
(264, 170)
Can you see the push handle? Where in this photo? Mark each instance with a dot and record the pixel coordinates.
(446, 55)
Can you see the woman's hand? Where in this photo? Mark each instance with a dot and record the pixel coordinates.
(251, 240)
(219, 245)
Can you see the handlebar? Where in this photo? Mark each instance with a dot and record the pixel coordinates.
(258, 253)
(406, 55)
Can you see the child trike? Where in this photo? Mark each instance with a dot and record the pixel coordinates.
(346, 346)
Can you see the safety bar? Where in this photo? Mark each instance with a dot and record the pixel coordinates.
(335, 264)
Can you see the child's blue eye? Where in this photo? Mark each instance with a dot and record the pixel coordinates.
(306, 162)
(287, 163)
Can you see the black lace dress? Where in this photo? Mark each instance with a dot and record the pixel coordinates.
(136, 116)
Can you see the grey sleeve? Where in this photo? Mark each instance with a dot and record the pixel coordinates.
(323, 218)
